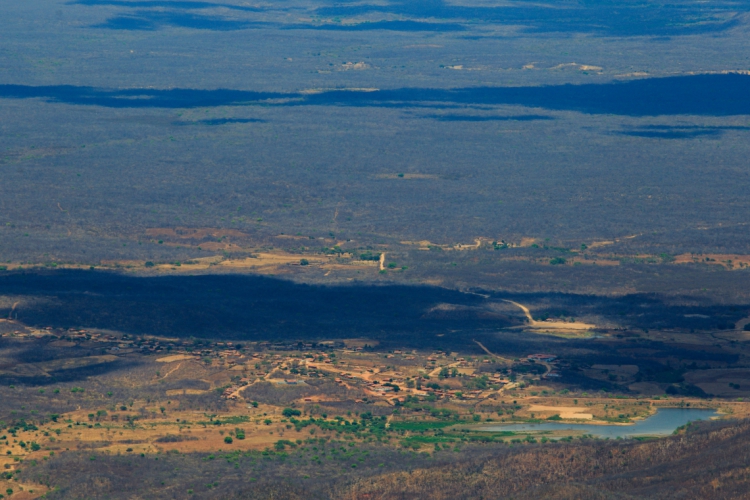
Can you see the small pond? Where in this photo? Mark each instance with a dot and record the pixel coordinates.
(663, 423)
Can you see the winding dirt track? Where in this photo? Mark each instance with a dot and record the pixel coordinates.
(485, 349)
(10, 314)
(170, 372)
(525, 310)
(555, 325)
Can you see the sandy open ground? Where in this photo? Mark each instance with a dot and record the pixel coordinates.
(566, 412)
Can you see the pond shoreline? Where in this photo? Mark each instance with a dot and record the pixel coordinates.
(661, 423)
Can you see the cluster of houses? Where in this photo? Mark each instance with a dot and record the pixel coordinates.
(116, 344)
(300, 346)
(321, 352)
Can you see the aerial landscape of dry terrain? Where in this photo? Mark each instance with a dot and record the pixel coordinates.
(354, 249)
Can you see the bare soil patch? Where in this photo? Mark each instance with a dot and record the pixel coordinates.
(567, 412)
(177, 392)
(176, 357)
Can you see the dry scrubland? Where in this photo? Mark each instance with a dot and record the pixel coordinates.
(223, 250)
(305, 249)
(348, 418)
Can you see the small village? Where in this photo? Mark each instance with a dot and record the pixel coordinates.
(263, 397)
(385, 378)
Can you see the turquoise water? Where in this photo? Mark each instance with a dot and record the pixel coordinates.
(663, 423)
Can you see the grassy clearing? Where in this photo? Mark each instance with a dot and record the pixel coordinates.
(422, 426)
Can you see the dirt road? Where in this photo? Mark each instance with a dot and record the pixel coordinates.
(552, 325)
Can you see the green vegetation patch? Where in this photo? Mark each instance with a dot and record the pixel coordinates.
(233, 420)
(421, 426)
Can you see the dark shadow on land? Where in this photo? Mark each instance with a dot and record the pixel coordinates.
(600, 17)
(43, 363)
(261, 308)
(246, 307)
(673, 134)
(151, 20)
(252, 308)
(481, 118)
(707, 95)
(177, 4)
(221, 121)
(70, 375)
(637, 311)
(711, 95)
(138, 98)
(677, 132)
(411, 26)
